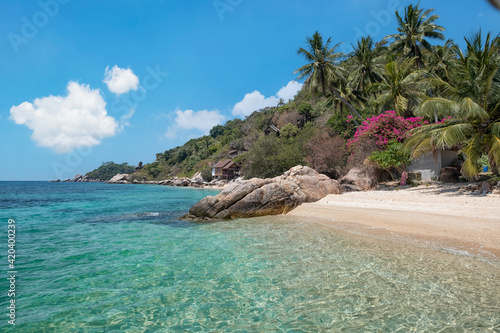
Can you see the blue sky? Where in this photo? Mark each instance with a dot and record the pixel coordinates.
(85, 82)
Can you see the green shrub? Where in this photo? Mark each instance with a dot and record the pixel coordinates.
(392, 157)
(270, 156)
(341, 126)
(206, 174)
(289, 130)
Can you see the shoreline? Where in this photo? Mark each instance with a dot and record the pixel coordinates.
(439, 214)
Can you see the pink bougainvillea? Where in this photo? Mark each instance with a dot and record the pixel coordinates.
(383, 128)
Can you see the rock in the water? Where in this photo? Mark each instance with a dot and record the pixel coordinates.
(363, 178)
(259, 197)
(449, 175)
(119, 178)
(77, 178)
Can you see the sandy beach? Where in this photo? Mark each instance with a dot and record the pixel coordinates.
(439, 213)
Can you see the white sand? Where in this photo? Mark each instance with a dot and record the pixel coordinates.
(437, 212)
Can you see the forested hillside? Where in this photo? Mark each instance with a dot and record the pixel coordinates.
(441, 96)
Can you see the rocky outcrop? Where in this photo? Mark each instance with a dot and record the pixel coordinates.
(197, 178)
(196, 181)
(119, 178)
(258, 197)
(362, 178)
(77, 178)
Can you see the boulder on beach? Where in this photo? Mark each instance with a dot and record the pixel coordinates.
(362, 178)
(449, 175)
(259, 197)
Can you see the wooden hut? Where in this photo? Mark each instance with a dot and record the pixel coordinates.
(225, 170)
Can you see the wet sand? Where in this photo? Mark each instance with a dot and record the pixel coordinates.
(439, 213)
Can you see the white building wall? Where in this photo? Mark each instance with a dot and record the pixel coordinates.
(429, 166)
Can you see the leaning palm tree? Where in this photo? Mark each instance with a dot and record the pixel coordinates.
(473, 100)
(401, 87)
(414, 28)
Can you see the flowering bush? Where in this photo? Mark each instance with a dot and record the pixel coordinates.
(383, 128)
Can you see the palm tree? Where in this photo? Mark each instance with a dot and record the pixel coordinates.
(401, 87)
(473, 100)
(344, 96)
(364, 65)
(323, 64)
(323, 72)
(442, 60)
(414, 28)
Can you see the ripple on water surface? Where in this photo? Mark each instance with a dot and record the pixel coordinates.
(131, 269)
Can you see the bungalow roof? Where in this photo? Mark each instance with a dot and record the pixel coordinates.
(222, 164)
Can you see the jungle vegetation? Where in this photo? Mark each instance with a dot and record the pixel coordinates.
(415, 72)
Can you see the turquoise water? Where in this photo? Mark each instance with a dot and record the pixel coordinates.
(115, 258)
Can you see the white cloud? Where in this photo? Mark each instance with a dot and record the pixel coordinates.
(65, 123)
(120, 80)
(289, 91)
(255, 101)
(202, 121)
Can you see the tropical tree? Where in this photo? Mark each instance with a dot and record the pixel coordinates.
(413, 29)
(365, 65)
(323, 73)
(322, 66)
(473, 100)
(401, 87)
(442, 59)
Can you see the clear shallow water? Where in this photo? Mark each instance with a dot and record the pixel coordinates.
(99, 257)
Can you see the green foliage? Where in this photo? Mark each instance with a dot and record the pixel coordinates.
(304, 109)
(216, 131)
(108, 170)
(154, 169)
(206, 174)
(483, 161)
(270, 156)
(392, 157)
(341, 125)
(472, 100)
(415, 27)
(341, 92)
(289, 130)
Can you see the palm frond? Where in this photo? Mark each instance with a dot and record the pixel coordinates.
(472, 111)
(452, 135)
(436, 107)
(473, 152)
(494, 148)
